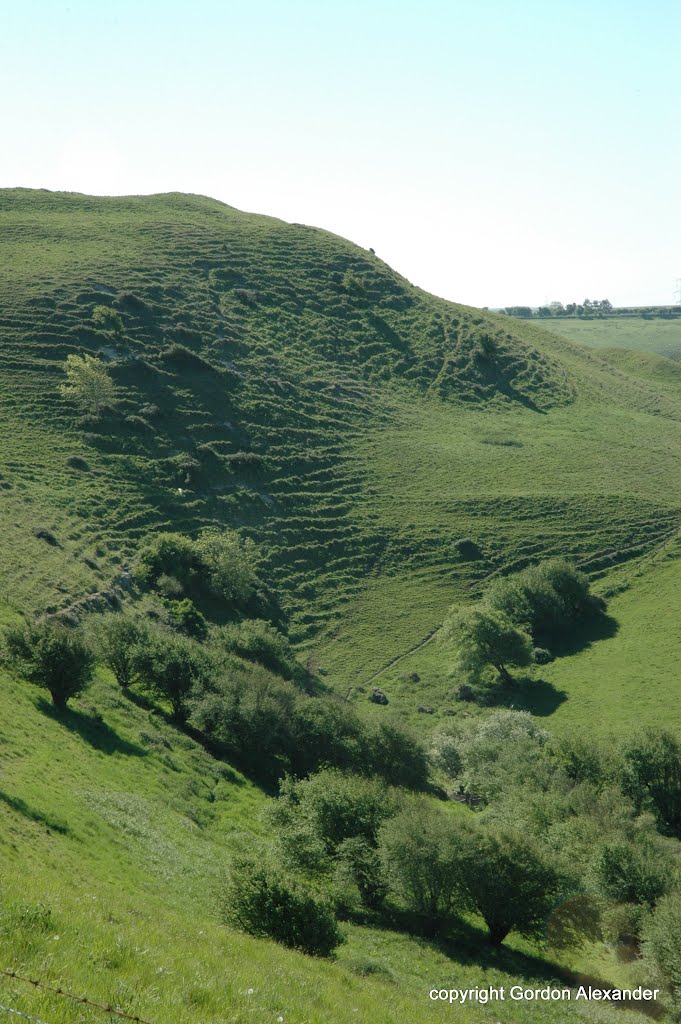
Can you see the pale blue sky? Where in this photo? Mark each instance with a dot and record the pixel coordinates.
(493, 152)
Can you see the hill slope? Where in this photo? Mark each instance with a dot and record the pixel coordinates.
(279, 379)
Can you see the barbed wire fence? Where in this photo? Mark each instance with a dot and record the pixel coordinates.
(115, 1011)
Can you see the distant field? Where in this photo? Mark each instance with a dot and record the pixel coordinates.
(662, 337)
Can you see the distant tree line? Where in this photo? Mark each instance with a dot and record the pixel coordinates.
(592, 309)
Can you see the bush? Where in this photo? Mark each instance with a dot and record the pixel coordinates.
(547, 599)
(117, 641)
(107, 320)
(172, 666)
(633, 874)
(51, 656)
(511, 884)
(422, 852)
(264, 902)
(168, 554)
(662, 944)
(230, 563)
(185, 617)
(260, 642)
(652, 776)
(501, 753)
(396, 756)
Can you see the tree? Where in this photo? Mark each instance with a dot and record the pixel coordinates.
(88, 383)
(422, 852)
(118, 637)
(172, 665)
(169, 554)
(652, 776)
(231, 564)
(486, 637)
(510, 883)
(264, 902)
(662, 943)
(52, 656)
(501, 753)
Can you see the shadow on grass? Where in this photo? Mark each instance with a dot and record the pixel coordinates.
(463, 943)
(525, 693)
(29, 812)
(602, 628)
(93, 730)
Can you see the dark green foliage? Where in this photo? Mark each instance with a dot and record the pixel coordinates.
(118, 640)
(629, 873)
(548, 599)
(359, 862)
(485, 637)
(51, 656)
(185, 617)
(652, 776)
(662, 944)
(172, 666)
(397, 756)
(260, 642)
(265, 902)
(168, 554)
(423, 853)
(510, 883)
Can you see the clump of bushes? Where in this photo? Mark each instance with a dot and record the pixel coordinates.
(263, 901)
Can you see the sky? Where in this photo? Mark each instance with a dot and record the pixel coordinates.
(494, 152)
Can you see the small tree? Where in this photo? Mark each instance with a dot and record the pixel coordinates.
(118, 638)
(51, 656)
(170, 555)
(264, 902)
(259, 641)
(172, 665)
(485, 637)
(231, 563)
(88, 383)
(652, 776)
(510, 884)
(662, 944)
(422, 852)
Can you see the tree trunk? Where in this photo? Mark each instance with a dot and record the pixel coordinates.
(497, 933)
(504, 674)
(58, 700)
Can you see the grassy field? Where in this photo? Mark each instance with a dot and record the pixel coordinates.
(389, 452)
(657, 336)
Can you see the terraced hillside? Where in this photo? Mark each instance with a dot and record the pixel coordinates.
(389, 450)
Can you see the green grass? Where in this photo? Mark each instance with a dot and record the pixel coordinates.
(117, 831)
(358, 429)
(656, 336)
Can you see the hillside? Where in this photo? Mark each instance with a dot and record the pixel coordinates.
(390, 453)
(279, 379)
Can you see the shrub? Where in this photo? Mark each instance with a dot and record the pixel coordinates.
(547, 599)
(422, 852)
(185, 617)
(632, 874)
(359, 864)
(172, 665)
(652, 776)
(266, 903)
(88, 383)
(51, 656)
(661, 934)
(500, 753)
(260, 642)
(396, 756)
(168, 554)
(117, 641)
(107, 320)
(231, 564)
(337, 806)
(511, 884)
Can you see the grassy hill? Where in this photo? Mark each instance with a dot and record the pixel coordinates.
(389, 452)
